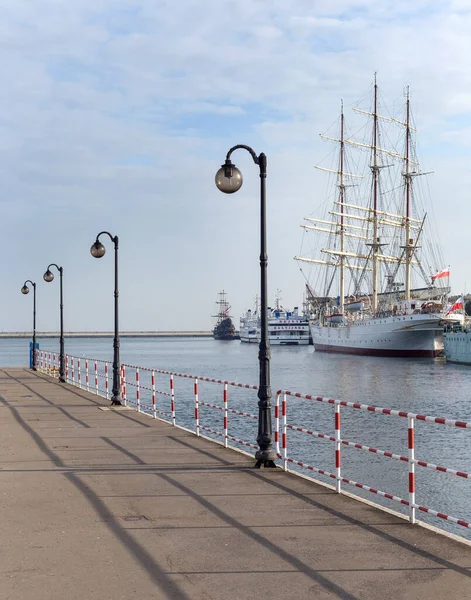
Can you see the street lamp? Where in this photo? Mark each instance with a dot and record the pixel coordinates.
(25, 290)
(48, 277)
(98, 251)
(229, 179)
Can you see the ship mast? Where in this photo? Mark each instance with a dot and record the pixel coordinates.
(342, 211)
(375, 169)
(408, 182)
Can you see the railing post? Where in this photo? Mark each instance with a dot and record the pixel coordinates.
(53, 364)
(49, 363)
(79, 381)
(226, 415)
(172, 396)
(73, 370)
(338, 447)
(67, 367)
(87, 382)
(154, 406)
(125, 399)
(284, 435)
(107, 382)
(410, 437)
(197, 419)
(96, 377)
(138, 391)
(277, 424)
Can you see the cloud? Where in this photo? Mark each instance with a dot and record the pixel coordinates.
(116, 115)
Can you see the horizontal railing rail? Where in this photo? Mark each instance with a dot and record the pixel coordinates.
(153, 391)
(281, 432)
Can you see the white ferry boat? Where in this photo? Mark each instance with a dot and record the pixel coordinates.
(285, 328)
(249, 328)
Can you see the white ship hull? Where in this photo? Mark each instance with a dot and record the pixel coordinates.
(288, 341)
(249, 338)
(417, 335)
(458, 347)
(278, 340)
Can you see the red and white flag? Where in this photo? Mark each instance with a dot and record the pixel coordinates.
(444, 273)
(456, 306)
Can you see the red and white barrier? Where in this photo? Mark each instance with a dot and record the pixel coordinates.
(147, 397)
(107, 382)
(410, 459)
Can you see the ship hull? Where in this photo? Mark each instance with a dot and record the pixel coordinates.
(458, 347)
(280, 333)
(276, 341)
(288, 342)
(249, 339)
(419, 336)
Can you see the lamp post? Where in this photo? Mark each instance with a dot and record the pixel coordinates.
(25, 290)
(229, 179)
(98, 250)
(48, 277)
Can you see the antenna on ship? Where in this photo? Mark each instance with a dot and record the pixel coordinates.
(278, 299)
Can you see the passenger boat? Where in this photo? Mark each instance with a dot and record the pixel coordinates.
(285, 327)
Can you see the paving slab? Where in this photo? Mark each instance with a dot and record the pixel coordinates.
(115, 505)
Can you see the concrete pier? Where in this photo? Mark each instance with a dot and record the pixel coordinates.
(110, 504)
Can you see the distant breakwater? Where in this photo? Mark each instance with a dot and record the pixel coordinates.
(106, 334)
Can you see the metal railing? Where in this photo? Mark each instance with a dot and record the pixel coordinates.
(281, 432)
(153, 391)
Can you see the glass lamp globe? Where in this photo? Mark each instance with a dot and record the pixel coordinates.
(25, 289)
(229, 179)
(48, 276)
(97, 250)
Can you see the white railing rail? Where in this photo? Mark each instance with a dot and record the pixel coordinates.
(138, 389)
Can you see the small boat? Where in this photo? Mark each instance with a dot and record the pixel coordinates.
(336, 319)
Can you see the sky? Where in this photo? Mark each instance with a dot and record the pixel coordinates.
(116, 114)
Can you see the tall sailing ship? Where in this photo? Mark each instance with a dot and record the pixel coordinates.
(224, 328)
(375, 287)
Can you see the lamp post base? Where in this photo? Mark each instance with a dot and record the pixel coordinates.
(62, 380)
(265, 458)
(115, 402)
(266, 464)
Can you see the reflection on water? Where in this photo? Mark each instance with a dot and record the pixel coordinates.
(432, 387)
